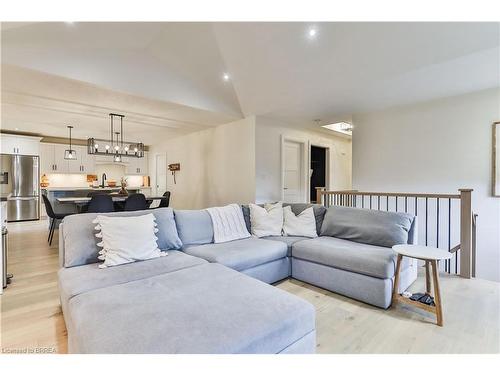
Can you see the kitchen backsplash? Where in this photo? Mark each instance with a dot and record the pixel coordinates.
(80, 180)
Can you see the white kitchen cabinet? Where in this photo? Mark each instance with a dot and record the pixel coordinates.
(20, 145)
(46, 158)
(61, 165)
(137, 166)
(88, 163)
(83, 163)
(52, 160)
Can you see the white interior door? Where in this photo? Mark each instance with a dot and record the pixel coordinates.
(293, 172)
(161, 174)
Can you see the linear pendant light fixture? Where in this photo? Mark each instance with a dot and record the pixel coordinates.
(116, 148)
(70, 154)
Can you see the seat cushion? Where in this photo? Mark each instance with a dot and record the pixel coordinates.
(240, 254)
(77, 280)
(351, 256)
(289, 240)
(203, 309)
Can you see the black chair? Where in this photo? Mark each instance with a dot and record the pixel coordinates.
(85, 208)
(53, 217)
(166, 201)
(100, 203)
(136, 202)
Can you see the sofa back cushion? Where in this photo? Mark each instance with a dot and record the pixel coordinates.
(80, 245)
(297, 208)
(378, 228)
(194, 227)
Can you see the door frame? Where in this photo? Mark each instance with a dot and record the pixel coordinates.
(328, 164)
(304, 168)
(158, 154)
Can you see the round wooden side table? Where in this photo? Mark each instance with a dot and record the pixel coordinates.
(431, 256)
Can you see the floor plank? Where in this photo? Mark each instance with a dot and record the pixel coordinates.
(32, 317)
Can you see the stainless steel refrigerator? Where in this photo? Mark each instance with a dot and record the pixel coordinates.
(19, 185)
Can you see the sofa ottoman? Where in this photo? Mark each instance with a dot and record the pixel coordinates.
(203, 309)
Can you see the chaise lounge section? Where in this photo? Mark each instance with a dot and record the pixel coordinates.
(173, 304)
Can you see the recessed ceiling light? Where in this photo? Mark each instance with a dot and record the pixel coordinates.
(226, 77)
(341, 127)
(17, 129)
(312, 32)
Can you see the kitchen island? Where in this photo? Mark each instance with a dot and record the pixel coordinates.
(54, 193)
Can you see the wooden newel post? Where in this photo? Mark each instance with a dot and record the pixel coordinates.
(465, 232)
(318, 194)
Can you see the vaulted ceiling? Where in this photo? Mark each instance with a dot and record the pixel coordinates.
(275, 68)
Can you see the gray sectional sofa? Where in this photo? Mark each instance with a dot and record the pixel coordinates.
(215, 298)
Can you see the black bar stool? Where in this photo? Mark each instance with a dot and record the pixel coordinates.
(136, 202)
(100, 203)
(165, 202)
(52, 216)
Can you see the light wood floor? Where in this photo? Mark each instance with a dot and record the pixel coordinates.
(31, 314)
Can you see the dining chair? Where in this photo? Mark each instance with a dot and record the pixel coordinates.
(52, 216)
(136, 202)
(100, 203)
(166, 201)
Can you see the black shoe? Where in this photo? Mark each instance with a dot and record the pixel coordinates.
(427, 299)
(416, 296)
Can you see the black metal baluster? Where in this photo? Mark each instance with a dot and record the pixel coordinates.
(416, 206)
(362, 201)
(379, 202)
(406, 204)
(396, 203)
(387, 203)
(370, 202)
(448, 261)
(437, 222)
(426, 226)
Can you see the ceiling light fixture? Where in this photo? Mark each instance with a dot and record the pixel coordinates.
(341, 127)
(115, 147)
(312, 32)
(70, 154)
(226, 77)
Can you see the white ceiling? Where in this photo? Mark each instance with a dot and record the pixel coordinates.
(45, 104)
(275, 69)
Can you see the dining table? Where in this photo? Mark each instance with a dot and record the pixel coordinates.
(81, 202)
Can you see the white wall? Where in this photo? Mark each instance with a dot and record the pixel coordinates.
(268, 136)
(217, 165)
(438, 146)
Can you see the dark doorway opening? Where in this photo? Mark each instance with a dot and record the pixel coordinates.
(318, 170)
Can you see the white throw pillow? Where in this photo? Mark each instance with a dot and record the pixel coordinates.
(267, 220)
(228, 222)
(127, 239)
(303, 224)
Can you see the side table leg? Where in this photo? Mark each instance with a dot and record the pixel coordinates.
(395, 292)
(427, 277)
(437, 294)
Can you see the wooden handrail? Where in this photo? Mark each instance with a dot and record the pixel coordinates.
(389, 194)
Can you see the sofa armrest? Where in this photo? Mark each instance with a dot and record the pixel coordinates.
(61, 245)
(413, 232)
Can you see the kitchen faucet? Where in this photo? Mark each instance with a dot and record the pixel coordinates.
(104, 178)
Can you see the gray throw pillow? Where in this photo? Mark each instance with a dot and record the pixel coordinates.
(379, 228)
(80, 245)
